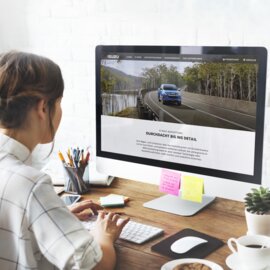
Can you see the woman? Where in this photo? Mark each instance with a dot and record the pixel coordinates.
(37, 231)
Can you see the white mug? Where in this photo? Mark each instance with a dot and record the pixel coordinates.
(253, 251)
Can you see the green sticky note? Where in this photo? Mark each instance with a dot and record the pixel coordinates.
(112, 201)
(192, 188)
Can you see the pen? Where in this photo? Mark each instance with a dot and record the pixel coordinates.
(74, 153)
(74, 157)
(78, 155)
(82, 157)
(87, 157)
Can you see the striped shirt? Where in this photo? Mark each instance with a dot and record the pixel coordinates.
(37, 231)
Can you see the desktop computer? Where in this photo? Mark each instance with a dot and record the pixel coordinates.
(198, 110)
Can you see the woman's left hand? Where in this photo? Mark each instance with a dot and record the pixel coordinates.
(83, 210)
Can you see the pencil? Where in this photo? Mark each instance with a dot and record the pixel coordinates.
(70, 159)
(60, 155)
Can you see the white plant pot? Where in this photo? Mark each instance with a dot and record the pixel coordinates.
(258, 224)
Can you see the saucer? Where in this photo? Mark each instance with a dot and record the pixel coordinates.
(233, 263)
(171, 264)
(252, 233)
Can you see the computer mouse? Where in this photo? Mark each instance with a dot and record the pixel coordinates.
(186, 243)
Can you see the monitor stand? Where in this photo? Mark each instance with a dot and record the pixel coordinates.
(175, 205)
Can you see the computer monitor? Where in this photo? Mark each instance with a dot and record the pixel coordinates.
(198, 110)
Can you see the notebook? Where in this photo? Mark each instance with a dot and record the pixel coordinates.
(54, 168)
(58, 189)
(94, 177)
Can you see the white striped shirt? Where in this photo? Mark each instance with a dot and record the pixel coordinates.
(37, 231)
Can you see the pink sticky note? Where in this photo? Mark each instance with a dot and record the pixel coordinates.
(169, 182)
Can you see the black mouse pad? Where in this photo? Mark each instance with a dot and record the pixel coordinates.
(200, 251)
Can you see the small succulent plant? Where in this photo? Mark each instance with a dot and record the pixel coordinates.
(258, 201)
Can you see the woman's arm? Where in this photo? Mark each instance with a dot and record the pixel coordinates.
(106, 232)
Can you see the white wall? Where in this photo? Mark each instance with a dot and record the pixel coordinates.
(68, 31)
(13, 25)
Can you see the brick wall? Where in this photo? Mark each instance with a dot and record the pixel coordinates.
(68, 31)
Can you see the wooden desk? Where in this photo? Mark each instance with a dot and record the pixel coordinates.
(222, 219)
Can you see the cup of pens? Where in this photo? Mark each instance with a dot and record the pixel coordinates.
(74, 170)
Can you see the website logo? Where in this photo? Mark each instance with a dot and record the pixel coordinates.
(113, 56)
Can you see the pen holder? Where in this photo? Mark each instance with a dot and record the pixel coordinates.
(74, 182)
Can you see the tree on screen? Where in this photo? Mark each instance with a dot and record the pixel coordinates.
(160, 74)
(235, 81)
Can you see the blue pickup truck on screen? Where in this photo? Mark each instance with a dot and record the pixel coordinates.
(169, 93)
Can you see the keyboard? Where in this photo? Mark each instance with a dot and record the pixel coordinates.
(134, 232)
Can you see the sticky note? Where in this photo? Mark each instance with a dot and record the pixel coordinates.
(192, 188)
(169, 182)
(126, 199)
(112, 201)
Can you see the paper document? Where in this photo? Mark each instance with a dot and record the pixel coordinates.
(97, 178)
(55, 169)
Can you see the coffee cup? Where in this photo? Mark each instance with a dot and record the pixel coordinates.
(253, 251)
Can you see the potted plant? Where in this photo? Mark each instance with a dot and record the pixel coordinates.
(257, 211)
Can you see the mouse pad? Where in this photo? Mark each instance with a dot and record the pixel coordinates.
(200, 251)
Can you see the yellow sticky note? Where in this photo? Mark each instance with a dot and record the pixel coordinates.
(192, 188)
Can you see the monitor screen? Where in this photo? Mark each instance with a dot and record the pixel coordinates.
(190, 108)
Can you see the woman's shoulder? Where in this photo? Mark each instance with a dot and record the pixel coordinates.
(19, 181)
(29, 174)
(35, 175)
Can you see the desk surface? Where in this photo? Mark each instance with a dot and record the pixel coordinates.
(222, 219)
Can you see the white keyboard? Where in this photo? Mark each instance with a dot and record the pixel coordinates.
(133, 231)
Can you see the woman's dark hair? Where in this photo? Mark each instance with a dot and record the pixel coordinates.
(25, 79)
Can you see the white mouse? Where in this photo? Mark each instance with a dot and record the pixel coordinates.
(184, 244)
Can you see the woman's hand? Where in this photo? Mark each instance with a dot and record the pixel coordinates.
(108, 227)
(83, 210)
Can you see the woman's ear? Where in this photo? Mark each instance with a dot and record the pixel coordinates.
(42, 109)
